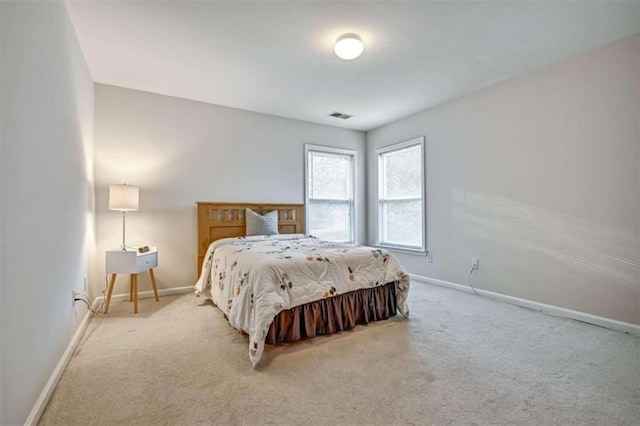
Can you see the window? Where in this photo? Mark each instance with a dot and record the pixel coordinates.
(330, 189)
(401, 196)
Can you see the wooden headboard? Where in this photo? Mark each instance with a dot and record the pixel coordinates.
(224, 220)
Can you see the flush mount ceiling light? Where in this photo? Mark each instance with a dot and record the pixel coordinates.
(348, 46)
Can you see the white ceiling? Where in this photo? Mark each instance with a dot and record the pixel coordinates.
(277, 57)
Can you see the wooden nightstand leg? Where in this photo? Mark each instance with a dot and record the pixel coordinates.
(134, 286)
(131, 289)
(111, 285)
(153, 284)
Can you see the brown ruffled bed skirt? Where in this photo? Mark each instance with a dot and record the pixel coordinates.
(334, 314)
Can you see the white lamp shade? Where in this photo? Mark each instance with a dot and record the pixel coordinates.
(348, 46)
(123, 198)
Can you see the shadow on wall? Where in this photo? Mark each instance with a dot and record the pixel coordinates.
(586, 246)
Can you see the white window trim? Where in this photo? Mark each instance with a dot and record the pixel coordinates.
(354, 174)
(398, 247)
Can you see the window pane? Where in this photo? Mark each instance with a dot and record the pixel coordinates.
(330, 220)
(329, 181)
(402, 222)
(402, 173)
(329, 176)
(401, 204)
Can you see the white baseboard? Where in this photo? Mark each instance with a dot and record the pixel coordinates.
(548, 309)
(47, 391)
(149, 294)
(51, 384)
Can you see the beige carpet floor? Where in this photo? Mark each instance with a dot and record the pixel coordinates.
(459, 359)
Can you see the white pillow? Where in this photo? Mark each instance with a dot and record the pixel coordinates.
(266, 224)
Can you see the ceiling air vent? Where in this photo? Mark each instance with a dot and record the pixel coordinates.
(340, 115)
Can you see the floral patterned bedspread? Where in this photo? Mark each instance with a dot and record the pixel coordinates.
(252, 279)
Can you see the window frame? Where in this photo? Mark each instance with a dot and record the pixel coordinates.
(354, 184)
(418, 141)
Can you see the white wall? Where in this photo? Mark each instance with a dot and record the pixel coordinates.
(2, 154)
(47, 195)
(538, 177)
(179, 152)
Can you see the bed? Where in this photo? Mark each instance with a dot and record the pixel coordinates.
(291, 286)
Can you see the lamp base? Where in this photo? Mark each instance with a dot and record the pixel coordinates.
(123, 246)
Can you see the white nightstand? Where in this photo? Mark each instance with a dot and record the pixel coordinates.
(131, 262)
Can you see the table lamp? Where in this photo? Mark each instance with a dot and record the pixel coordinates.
(123, 198)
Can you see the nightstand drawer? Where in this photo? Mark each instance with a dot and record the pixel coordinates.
(145, 261)
(130, 261)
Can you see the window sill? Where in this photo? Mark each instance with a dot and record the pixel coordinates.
(417, 252)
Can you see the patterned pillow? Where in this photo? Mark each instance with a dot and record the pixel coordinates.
(261, 225)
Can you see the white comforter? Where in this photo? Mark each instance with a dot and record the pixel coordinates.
(252, 279)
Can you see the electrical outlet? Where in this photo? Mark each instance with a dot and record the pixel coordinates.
(429, 257)
(475, 263)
